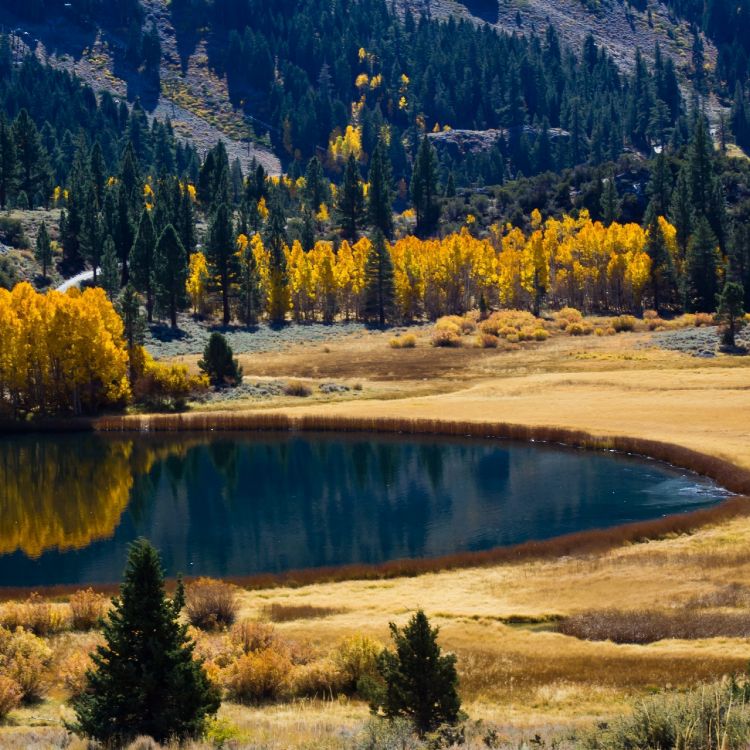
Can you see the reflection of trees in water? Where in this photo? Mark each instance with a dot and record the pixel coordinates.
(66, 492)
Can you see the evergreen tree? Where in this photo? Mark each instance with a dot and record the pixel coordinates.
(380, 292)
(701, 283)
(380, 195)
(420, 682)
(186, 218)
(424, 189)
(730, 312)
(8, 163)
(350, 205)
(142, 261)
(307, 235)
(739, 259)
(250, 293)
(315, 192)
(33, 167)
(92, 231)
(124, 231)
(222, 255)
(610, 201)
(681, 211)
(145, 680)
(659, 189)
(134, 325)
(170, 273)
(109, 279)
(662, 268)
(218, 362)
(43, 249)
(98, 172)
(276, 240)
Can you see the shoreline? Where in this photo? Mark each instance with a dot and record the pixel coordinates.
(725, 473)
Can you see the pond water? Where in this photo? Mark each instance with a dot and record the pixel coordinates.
(238, 504)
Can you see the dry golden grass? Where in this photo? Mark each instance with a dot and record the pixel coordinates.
(499, 618)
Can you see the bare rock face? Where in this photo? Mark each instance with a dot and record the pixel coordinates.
(459, 143)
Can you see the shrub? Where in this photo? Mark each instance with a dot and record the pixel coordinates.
(36, 615)
(579, 329)
(319, 679)
(624, 323)
(356, 657)
(10, 695)
(73, 673)
(165, 386)
(711, 717)
(251, 636)
(24, 658)
(541, 334)
(11, 232)
(704, 319)
(259, 676)
(211, 604)
(276, 612)
(487, 341)
(449, 323)
(297, 389)
(467, 326)
(446, 338)
(86, 609)
(566, 316)
(407, 341)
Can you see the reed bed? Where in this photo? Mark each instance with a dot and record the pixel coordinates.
(277, 612)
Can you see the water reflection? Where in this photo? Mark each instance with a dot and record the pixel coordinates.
(236, 505)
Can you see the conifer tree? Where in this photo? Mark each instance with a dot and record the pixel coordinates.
(33, 167)
(701, 283)
(681, 211)
(315, 192)
(43, 249)
(98, 172)
(142, 261)
(350, 206)
(218, 362)
(662, 268)
(420, 682)
(8, 163)
(424, 189)
(730, 312)
(380, 195)
(221, 254)
(109, 279)
(170, 273)
(92, 232)
(610, 201)
(145, 680)
(380, 293)
(134, 325)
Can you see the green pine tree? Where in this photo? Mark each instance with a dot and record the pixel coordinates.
(350, 205)
(424, 189)
(43, 249)
(730, 312)
(142, 261)
(33, 166)
(134, 324)
(170, 273)
(145, 680)
(420, 682)
(250, 292)
(109, 278)
(8, 163)
(701, 282)
(681, 211)
(221, 255)
(218, 362)
(276, 240)
(380, 195)
(610, 201)
(662, 268)
(380, 293)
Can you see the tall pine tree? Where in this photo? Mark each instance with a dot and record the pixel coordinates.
(380, 293)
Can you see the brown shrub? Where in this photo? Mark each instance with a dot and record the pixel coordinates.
(704, 319)
(36, 615)
(211, 604)
(567, 316)
(648, 626)
(73, 673)
(319, 679)
(446, 338)
(87, 608)
(10, 695)
(25, 659)
(730, 595)
(251, 636)
(276, 612)
(259, 676)
(487, 341)
(624, 323)
(297, 389)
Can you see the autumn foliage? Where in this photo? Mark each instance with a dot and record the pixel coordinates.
(61, 352)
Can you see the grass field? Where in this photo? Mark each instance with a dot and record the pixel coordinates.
(517, 672)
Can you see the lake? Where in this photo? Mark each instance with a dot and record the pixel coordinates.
(236, 504)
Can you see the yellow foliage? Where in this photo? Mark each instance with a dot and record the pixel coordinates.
(341, 146)
(61, 352)
(198, 279)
